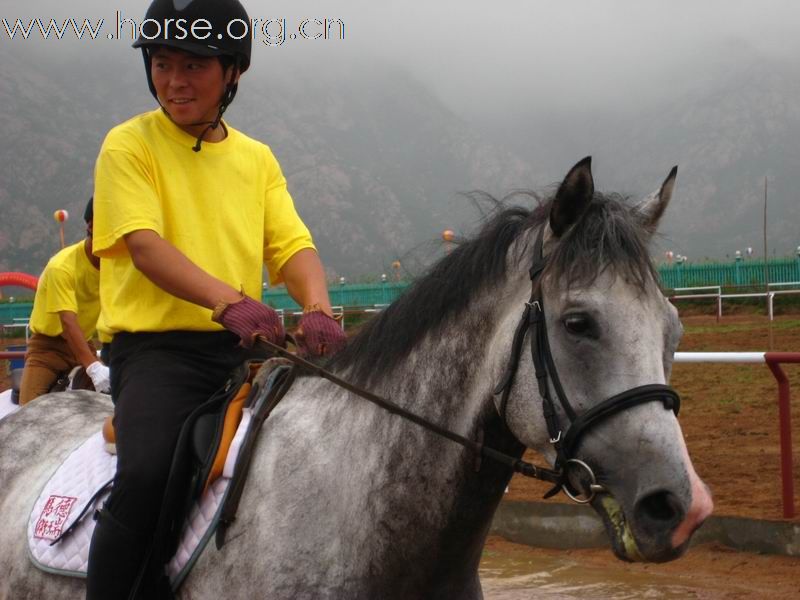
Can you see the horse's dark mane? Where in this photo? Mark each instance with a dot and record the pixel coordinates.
(608, 234)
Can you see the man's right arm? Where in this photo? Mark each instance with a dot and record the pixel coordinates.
(84, 352)
(72, 333)
(172, 271)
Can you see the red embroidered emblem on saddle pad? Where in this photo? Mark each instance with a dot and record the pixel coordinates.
(54, 514)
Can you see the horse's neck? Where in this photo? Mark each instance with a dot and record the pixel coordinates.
(405, 496)
(451, 372)
(433, 498)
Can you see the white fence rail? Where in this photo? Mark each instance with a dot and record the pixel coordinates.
(773, 360)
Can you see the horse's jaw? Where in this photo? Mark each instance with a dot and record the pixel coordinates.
(623, 542)
(652, 508)
(631, 545)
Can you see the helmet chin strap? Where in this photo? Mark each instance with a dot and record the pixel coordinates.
(230, 91)
(211, 125)
(227, 98)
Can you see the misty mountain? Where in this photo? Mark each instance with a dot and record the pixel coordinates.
(375, 160)
(740, 125)
(55, 116)
(375, 163)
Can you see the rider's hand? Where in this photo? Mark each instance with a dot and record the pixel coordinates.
(319, 335)
(248, 319)
(100, 376)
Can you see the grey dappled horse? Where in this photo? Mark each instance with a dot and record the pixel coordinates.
(345, 500)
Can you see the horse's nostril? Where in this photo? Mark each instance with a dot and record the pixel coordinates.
(660, 508)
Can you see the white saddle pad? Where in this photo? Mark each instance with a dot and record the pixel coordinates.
(66, 498)
(6, 406)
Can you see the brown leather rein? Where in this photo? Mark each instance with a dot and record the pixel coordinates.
(516, 464)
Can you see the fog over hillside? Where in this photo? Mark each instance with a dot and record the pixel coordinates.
(375, 161)
(379, 132)
(726, 136)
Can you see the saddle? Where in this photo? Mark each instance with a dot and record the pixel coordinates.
(76, 379)
(203, 446)
(212, 432)
(198, 503)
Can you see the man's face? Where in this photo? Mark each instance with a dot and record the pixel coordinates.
(190, 87)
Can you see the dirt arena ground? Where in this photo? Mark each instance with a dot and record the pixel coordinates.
(706, 572)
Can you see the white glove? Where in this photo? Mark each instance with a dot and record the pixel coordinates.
(100, 375)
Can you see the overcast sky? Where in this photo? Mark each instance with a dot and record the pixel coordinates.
(501, 55)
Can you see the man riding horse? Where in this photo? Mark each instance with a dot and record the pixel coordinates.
(188, 210)
(64, 319)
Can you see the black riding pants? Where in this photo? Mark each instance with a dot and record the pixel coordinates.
(157, 380)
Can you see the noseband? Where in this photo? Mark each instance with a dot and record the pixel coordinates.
(566, 443)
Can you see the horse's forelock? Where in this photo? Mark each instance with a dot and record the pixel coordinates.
(608, 236)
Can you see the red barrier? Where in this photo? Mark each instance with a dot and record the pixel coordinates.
(774, 361)
(19, 280)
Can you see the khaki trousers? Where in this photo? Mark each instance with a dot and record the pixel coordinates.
(46, 359)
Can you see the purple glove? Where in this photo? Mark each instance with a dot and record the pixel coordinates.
(319, 335)
(248, 318)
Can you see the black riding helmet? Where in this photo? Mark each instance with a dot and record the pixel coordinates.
(169, 23)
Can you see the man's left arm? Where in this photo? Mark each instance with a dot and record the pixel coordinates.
(304, 276)
(318, 333)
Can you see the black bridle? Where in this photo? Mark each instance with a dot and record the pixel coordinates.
(532, 323)
(566, 443)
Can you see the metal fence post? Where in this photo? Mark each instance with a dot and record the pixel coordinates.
(736, 266)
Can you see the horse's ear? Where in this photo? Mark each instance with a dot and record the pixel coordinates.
(572, 198)
(652, 208)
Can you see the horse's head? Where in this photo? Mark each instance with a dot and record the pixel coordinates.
(609, 331)
(593, 380)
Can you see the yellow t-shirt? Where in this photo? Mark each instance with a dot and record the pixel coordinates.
(71, 283)
(226, 208)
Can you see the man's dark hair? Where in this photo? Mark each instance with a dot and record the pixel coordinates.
(226, 61)
(88, 214)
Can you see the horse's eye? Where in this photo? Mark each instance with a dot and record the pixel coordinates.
(578, 325)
